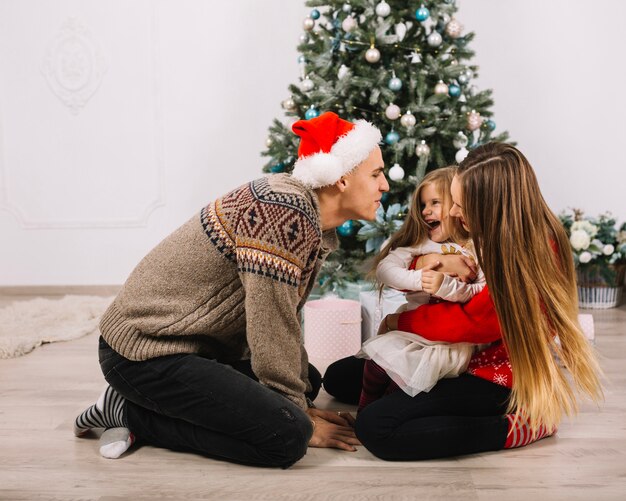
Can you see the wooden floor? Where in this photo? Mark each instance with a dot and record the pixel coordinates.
(41, 393)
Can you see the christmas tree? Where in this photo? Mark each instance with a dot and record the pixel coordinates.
(400, 65)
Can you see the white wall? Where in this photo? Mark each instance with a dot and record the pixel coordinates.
(557, 71)
(177, 97)
(116, 130)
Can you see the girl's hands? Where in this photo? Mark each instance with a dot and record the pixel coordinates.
(431, 279)
(333, 429)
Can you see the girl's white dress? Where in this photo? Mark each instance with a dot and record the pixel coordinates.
(414, 363)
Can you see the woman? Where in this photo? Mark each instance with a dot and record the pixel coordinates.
(529, 299)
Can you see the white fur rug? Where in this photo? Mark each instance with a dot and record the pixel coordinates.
(25, 325)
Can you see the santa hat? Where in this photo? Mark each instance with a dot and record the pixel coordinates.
(331, 147)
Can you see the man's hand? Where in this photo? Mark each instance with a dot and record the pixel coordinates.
(431, 279)
(333, 429)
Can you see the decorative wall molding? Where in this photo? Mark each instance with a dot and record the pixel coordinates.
(74, 65)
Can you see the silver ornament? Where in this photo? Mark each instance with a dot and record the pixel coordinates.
(473, 90)
(392, 112)
(304, 38)
(422, 149)
(469, 73)
(434, 39)
(460, 140)
(347, 7)
(372, 55)
(269, 142)
(396, 173)
(441, 88)
(462, 78)
(454, 28)
(307, 85)
(407, 120)
(349, 24)
(343, 72)
(460, 155)
(308, 23)
(383, 10)
(288, 104)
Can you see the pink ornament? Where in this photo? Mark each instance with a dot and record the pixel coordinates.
(441, 88)
(332, 328)
(454, 28)
(474, 120)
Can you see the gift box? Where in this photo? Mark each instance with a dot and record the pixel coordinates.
(332, 328)
(586, 323)
(375, 307)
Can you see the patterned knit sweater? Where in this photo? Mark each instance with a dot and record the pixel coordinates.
(229, 284)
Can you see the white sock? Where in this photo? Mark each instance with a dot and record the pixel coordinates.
(115, 441)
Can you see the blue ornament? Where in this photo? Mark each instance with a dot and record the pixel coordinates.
(346, 229)
(312, 112)
(279, 167)
(315, 14)
(384, 197)
(490, 124)
(301, 59)
(395, 84)
(392, 137)
(454, 90)
(422, 14)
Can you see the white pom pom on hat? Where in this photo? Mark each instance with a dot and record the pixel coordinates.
(331, 147)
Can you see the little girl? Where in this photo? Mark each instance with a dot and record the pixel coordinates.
(411, 362)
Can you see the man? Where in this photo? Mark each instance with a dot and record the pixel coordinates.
(202, 347)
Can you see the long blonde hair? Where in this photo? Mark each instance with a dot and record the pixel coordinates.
(525, 255)
(414, 230)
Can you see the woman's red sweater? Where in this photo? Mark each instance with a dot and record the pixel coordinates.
(473, 322)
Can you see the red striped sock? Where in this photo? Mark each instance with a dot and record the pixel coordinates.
(520, 433)
(375, 384)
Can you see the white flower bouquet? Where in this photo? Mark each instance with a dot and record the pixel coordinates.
(599, 251)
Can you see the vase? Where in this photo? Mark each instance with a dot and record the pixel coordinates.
(600, 286)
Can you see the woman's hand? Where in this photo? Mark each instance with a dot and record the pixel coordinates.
(388, 324)
(333, 429)
(455, 265)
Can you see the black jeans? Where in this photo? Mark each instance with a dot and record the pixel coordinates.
(190, 403)
(463, 415)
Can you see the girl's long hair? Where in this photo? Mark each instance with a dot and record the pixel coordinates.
(414, 230)
(525, 254)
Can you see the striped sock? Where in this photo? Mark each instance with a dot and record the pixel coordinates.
(375, 384)
(107, 412)
(520, 434)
